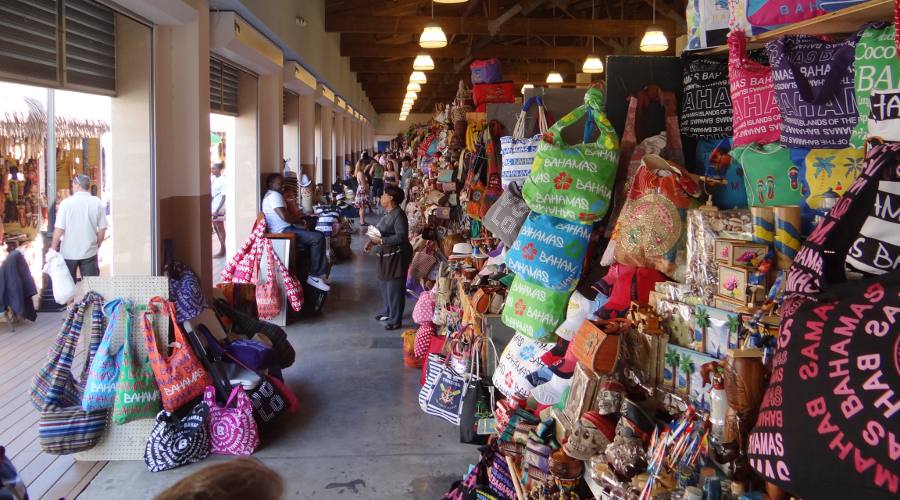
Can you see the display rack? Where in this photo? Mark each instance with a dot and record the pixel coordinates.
(834, 23)
(126, 442)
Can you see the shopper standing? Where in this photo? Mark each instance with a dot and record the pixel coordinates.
(394, 254)
(378, 177)
(362, 192)
(80, 228)
(279, 220)
(217, 204)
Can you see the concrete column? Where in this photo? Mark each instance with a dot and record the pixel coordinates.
(327, 150)
(338, 147)
(182, 140)
(307, 117)
(133, 202)
(271, 118)
(291, 131)
(348, 149)
(243, 185)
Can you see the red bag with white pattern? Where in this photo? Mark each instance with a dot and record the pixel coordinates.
(268, 300)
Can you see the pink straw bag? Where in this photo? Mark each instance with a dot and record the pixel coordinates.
(232, 429)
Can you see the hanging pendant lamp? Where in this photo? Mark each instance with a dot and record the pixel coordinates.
(527, 86)
(654, 39)
(413, 87)
(450, 1)
(411, 95)
(418, 77)
(554, 77)
(432, 36)
(423, 62)
(592, 64)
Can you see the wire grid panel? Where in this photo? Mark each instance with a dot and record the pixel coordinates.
(127, 442)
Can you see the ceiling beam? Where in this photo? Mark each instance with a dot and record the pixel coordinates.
(601, 28)
(445, 66)
(462, 52)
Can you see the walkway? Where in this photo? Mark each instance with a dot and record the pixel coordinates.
(359, 432)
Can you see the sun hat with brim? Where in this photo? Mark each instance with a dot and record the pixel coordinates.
(305, 181)
(461, 251)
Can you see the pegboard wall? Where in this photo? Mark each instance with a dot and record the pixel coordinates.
(127, 442)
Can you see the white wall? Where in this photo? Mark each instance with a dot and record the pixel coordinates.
(389, 124)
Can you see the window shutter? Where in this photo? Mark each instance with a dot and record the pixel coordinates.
(90, 48)
(223, 87)
(29, 41)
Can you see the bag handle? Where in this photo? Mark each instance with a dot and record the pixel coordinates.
(519, 130)
(595, 101)
(129, 336)
(159, 305)
(235, 393)
(94, 301)
(840, 64)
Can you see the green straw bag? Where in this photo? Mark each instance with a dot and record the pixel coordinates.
(574, 182)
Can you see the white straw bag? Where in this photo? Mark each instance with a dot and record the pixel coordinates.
(518, 151)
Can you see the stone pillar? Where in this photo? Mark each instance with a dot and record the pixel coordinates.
(182, 141)
(291, 131)
(338, 148)
(308, 135)
(327, 141)
(243, 185)
(271, 118)
(133, 202)
(348, 149)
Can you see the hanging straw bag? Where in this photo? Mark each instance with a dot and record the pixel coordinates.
(180, 376)
(517, 150)
(64, 427)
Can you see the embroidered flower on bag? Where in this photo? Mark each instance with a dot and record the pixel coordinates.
(508, 379)
(529, 251)
(520, 307)
(562, 181)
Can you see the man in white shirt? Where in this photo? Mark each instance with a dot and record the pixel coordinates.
(81, 225)
(217, 205)
(279, 220)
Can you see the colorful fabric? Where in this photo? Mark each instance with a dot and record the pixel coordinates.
(574, 182)
(718, 163)
(755, 113)
(232, 430)
(137, 395)
(100, 388)
(877, 84)
(827, 174)
(533, 310)
(706, 105)
(770, 176)
(520, 358)
(765, 15)
(813, 82)
(549, 251)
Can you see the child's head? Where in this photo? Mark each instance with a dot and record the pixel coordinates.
(236, 479)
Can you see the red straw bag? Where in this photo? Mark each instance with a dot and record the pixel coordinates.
(268, 300)
(180, 376)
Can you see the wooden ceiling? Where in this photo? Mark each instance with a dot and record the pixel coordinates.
(530, 37)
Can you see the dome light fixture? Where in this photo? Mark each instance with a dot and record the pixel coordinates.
(413, 87)
(654, 39)
(423, 62)
(411, 95)
(592, 64)
(450, 1)
(402, 118)
(527, 86)
(554, 77)
(418, 77)
(432, 36)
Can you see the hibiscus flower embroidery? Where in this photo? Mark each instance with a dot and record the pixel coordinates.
(562, 181)
(520, 307)
(529, 251)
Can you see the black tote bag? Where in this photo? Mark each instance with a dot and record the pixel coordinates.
(827, 426)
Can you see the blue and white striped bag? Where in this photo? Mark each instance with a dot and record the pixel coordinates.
(517, 151)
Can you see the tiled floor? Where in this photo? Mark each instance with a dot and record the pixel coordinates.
(359, 432)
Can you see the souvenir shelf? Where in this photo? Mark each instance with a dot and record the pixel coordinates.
(834, 23)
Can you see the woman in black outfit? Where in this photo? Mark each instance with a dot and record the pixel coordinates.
(395, 254)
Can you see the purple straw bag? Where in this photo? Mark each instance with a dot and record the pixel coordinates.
(232, 428)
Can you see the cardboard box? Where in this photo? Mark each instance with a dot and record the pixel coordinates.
(740, 253)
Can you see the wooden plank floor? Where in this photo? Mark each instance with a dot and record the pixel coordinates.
(22, 353)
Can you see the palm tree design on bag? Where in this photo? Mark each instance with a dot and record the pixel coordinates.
(734, 329)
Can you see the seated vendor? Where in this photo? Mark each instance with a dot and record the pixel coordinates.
(279, 220)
